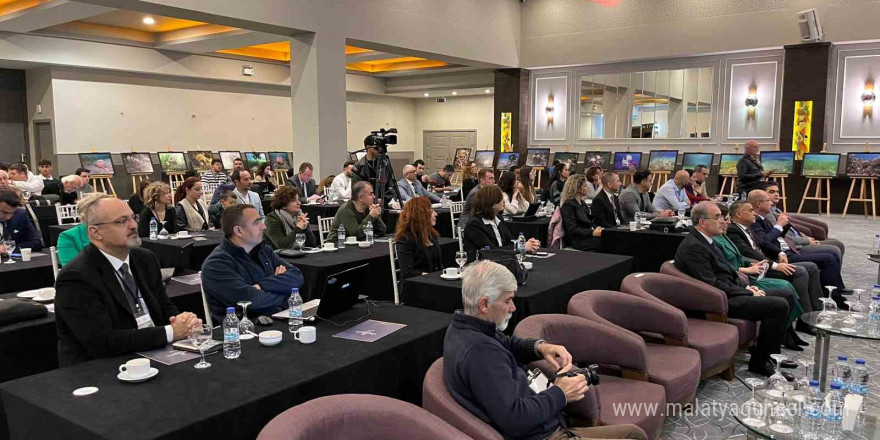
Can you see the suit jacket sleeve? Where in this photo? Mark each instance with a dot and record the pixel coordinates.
(628, 206)
(602, 211)
(695, 260)
(27, 236)
(742, 243)
(747, 172)
(576, 224)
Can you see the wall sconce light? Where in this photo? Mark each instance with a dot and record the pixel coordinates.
(549, 110)
(868, 98)
(752, 100)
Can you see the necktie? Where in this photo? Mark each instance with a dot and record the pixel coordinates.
(615, 204)
(130, 288)
(753, 242)
(305, 192)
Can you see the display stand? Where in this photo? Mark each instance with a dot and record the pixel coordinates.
(731, 189)
(818, 195)
(175, 179)
(281, 177)
(659, 179)
(780, 179)
(137, 178)
(456, 178)
(862, 195)
(538, 175)
(625, 179)
(102, 182)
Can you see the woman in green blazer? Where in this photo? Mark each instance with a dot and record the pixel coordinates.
(71, 241)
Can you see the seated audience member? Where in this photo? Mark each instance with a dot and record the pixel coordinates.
(15, 223)
(515, 170)
(308, 189)
(469, 178)
(440, 179)
(594, 178)
(483, 367)
(24, 180)
(237, 165)
(266, 175)
(692, 189)
(4, 180)
(410, 187)
(420, 171)
(514, 202)
(700, 258)
(804, 275)
(355, 214)
(220, 189)
(215, 176)
(563, 170)
(243, 193)
(486, 178)
(286, 220)
(45, 169)
(418, 251)
(215, 211)
(243, 268)
(136, 201)
(86, 187)
(580, 231)
(672, 195)
(776, 247)
(190, 210)
(701, 176)
(110, 299)
(636, 198)
(75, 239)
(325, 183)
(157, 205)
(805, 243)
(606, 205)
(71, 186)
(526, 183)
(485, 229)
(340, 189)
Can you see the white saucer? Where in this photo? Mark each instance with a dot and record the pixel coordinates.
(312, 251)
(29, 294)
(329, 250)
(124, 377)
(454, 277)
(44, 298)
(246, 336)
(85, 391)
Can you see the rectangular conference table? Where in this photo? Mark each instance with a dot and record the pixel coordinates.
(535, 228)
(29, 275)
(649, 248)
(232, 398)
(551, 283)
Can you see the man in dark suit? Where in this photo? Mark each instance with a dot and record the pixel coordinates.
(749, 171)
(15, 224)
(606, 204)
(110, 299)
(700, 258)
(307, 187)
(774, 244)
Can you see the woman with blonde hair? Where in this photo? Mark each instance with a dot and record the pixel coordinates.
(580, 231)
(469, 178)
(157, 205)
(190, 209)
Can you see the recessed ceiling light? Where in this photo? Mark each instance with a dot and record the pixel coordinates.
(454, 93)
(487, 91)
(427, 94)
(149, 21)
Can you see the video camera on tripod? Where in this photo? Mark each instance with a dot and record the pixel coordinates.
(381, 139)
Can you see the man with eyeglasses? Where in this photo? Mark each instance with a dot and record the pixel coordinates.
(699, 257)
(15, 224)
(110, 299)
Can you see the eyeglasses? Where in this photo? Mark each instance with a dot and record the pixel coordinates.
(122, 221)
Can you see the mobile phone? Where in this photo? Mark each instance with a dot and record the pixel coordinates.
(541, 254)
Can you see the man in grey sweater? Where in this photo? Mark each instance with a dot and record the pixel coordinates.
(636, 198)
(355, 214)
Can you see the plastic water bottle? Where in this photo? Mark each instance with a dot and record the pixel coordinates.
(154, 229)
(368, 231)
(444, 202)
(295, 303)
(874, 314)
(833, 413)
(861, 378)
(521, 244)
(811, 417)
(842, 374)
(231, 344)
(340, 237)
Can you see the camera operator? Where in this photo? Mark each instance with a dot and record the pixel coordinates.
(375, 168)
(483, 367)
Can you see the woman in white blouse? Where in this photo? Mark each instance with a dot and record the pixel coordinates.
(514, 200)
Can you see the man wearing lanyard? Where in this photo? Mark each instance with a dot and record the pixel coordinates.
(110, 299)
(243, 194)
(672, 195)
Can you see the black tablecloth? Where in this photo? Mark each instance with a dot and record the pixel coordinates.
(232, 398)
(29, 275)
(46, 216)
(649, 248)
(56, 230)
(551, 283)
(536, 228)
(443, 226)
(319, 209)
(316, 267)
(168, 251)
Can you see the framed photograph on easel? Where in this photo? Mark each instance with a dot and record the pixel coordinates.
(137, 163)
(538, 157)
(200, 160)
(484, 158)
(97, 163)
(228, 158)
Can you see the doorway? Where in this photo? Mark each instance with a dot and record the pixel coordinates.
(439, 146)
(44, 144)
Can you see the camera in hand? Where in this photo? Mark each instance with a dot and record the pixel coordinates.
(381, 139)
(591, 373)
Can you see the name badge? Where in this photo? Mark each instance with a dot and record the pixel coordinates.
(144, 321)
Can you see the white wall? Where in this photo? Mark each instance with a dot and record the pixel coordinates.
(457, 113)
(366, 113)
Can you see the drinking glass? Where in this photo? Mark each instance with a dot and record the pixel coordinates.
(300, 240)
(777, 381)
(849, 319)
(753, 410)
(10, 248)
(682, 208)
(781, 419)
(245, 326)
(803, 384)
(200, 336)
(461, 259)
(859, 308)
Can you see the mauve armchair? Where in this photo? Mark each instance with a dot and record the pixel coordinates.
(716, 342)
(437, 400)
(715, 305)
(676, 367)
(594, 343)
(357, 417)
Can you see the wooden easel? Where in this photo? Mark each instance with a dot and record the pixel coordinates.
(136, 179)
(818, 195)
(780, 178)
(731, 188)
(625, 179)
(538, 175)
(281, 177)
(659, 179)
(102, 182)
(175, 179)
(862, 195)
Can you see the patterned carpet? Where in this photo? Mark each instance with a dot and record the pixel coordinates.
(858, 235)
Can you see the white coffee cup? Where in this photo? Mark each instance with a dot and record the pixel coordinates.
(306, 335)
(329, 246)
(351, 240)
(450, 271)
(136, 368)
(633, 226)
(25, 254)
(183, 234)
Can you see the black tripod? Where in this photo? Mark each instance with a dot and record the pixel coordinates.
(384, 177)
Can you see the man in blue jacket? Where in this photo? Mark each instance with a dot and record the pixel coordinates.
(242, 268)
(482, 367)
(15, 224)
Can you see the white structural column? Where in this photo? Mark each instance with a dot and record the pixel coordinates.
(317, 91)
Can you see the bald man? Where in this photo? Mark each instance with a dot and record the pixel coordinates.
(749, 171)
(672, 195)
(410, 186)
